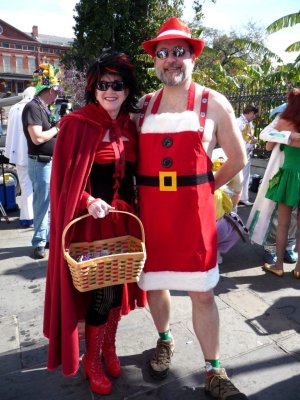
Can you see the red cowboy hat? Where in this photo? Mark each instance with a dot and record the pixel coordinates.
(173, 28)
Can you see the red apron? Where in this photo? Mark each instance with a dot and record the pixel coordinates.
(177, 199)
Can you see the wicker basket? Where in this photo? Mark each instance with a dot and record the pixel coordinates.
(124, 263)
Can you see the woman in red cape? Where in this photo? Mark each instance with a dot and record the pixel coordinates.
(93, 166)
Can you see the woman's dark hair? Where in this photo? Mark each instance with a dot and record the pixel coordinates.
(114, 63)
(292, 111)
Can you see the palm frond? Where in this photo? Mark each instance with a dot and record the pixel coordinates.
(256, 47)
(297, 66)
(293, 47)
(284, 22)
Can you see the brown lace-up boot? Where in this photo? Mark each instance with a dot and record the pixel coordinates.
(161, 360)
(219, 386)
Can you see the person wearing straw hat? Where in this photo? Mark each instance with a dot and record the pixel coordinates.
(180, 125)
(93, 166)
(40, 132)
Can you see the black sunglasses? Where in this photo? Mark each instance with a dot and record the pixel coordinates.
(178, 51)
(117, 86)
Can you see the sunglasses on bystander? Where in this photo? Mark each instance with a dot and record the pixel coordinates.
(117, 86)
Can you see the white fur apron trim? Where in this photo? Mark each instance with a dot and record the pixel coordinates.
(171, 122)
(187, 281)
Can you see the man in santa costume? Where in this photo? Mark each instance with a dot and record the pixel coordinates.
(179, 126)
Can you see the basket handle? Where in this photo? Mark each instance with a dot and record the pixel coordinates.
(68, 226)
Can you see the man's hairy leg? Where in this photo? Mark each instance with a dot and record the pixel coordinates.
(206, 323)
(160, 307)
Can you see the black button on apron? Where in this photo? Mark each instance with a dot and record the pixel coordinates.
(167, 142)
(167, 162)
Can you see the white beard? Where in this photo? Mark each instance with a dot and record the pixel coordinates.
(175, 80)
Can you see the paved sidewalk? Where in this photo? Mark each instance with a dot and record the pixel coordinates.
(260, 333)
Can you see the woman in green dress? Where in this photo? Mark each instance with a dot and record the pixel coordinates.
(284, 187)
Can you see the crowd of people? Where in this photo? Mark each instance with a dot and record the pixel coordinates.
(88, 163)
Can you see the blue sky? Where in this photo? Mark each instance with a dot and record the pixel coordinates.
(55, 17)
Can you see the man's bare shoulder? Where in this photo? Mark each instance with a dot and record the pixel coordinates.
(142, 100)
(150, 96)
(136, 116)
(217, 101)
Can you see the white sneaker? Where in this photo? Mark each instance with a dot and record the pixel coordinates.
(245, 203)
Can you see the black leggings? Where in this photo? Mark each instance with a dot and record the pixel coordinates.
(103, 300)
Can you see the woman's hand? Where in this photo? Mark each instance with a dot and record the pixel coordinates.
(98, 208)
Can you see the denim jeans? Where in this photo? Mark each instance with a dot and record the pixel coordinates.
(39, 174)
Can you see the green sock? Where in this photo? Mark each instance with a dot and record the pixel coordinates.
(165, 335)
(210, 364)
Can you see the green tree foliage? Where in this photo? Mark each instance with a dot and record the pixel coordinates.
(122, 25)
(285, 22)
(240, 59)
(230, 60)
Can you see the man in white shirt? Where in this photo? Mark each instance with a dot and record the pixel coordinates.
(246, 127)
(16, 152)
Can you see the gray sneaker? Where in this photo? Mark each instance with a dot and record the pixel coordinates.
(39, 252)
(161, 360)
(220, 387)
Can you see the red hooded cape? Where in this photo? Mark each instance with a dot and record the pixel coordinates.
(77, 142)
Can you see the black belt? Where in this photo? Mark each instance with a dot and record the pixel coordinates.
(41, 158)
(168, 181)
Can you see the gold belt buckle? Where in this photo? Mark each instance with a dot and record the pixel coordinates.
(163, 185)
